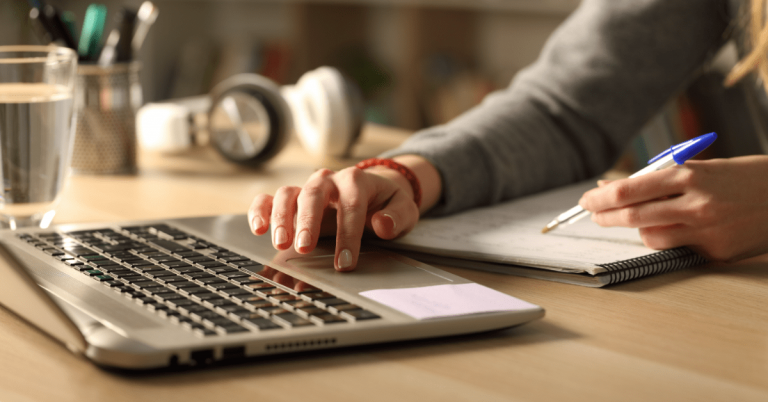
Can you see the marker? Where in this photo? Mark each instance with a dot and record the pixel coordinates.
(93, 29)
(675, 155)
(126, 22)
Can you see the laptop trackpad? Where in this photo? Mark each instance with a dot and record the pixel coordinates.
(375, 270)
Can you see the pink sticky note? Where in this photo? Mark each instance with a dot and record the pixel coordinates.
(447, 300)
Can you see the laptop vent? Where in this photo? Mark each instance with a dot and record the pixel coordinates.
(308, 344)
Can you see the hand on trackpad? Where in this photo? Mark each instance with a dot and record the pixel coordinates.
(375, 270)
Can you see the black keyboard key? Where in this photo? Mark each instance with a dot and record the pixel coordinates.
(207, 296)
(234, 258)
(140, 263)
(245, 281)
(145, 284)
(327, 318)
(148, 267)
(285, 297)
(212, 264)
(225, 286)
(246, 263)
(168, 260)
(235, 291)
(200, 275)
(211, 281)
(220, 302)
(318, 295)
(331, 302)
(154, 290)
(192, 308)
(217, 321)
(186, 269)
(172, 278)
(263, 286)
(343, 307)
(146, 300)
(177, 303)
(292, 320)
(195, 290)
(231, 329)
(190, 254)
(308, 311)
(169, 245)
(170, 295)
(234, 274)
(101, 263)
(262, 323)
(182, 285)
(160, 274)
(222, 269)
(359, 315)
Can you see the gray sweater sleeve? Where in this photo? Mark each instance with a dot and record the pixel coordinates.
(603, 73)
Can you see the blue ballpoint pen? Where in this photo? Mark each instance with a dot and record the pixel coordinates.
(675, 155)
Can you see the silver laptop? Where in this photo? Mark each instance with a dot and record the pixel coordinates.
(195, 291)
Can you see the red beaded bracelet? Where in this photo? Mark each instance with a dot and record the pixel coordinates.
(405, 171)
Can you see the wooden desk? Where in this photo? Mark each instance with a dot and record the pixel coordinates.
(693, 335)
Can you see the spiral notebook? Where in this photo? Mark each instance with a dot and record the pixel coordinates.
(506, 238)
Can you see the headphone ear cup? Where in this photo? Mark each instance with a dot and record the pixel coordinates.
(327, 114)
(265, 92)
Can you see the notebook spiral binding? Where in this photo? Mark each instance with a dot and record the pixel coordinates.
(657, 263)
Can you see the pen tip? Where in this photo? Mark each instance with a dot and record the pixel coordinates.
(546, 229)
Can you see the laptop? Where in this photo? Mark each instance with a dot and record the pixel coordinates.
(195, 291)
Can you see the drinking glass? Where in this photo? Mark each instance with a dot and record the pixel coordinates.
(37, 125)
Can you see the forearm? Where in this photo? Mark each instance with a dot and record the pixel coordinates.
(602, 75)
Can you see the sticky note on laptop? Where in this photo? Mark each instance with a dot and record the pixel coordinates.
(447, 300)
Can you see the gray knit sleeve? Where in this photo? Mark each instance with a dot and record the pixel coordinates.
(604, 72)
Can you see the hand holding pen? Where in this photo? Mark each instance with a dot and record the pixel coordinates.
(717, 207)
(675, 155)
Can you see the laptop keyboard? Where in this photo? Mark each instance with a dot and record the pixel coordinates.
(193, 283)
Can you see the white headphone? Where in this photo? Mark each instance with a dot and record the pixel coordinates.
(250, 117)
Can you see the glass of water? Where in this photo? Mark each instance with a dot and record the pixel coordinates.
(37, 125)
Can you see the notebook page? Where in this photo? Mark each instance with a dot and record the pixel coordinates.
(511, 233)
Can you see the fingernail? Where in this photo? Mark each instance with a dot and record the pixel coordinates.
(256, 223)
(345, 259)
(394, 224)
(303, 239)
(281, 236)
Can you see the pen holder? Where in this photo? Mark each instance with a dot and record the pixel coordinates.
(107, 99)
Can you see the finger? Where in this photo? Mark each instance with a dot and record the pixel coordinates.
(623, 192)
(397, 218)
(667, 237)
(350, 217)
(283, 213)
(311, 205)
(259, 214)
(602, 182)
(659, 212)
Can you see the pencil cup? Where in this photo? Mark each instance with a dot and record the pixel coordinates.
(107, 99)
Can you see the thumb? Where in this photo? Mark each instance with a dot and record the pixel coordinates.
(397, 218)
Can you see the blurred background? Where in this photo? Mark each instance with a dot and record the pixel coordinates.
(417, 62)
